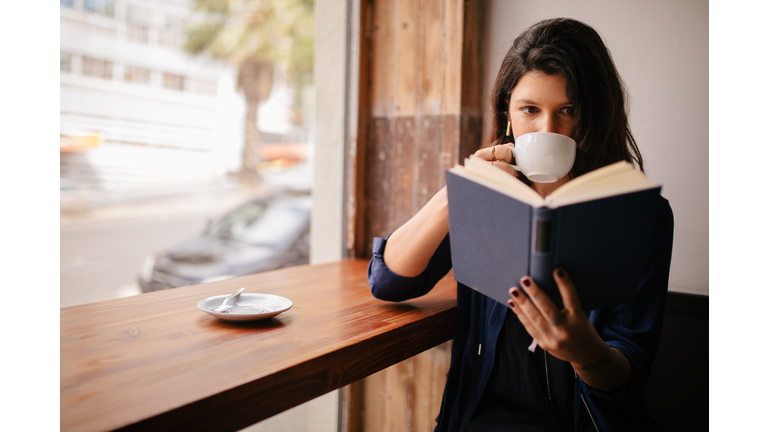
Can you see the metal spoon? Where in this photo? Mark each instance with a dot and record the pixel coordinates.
(224, 307)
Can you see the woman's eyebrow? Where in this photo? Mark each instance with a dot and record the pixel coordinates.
(533, 102)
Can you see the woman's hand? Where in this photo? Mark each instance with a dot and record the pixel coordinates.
(567, 334)
(499, 155)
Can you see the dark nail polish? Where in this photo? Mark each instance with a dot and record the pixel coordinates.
(560, 273)
(511, 304)
(516, 293)
(527, 282)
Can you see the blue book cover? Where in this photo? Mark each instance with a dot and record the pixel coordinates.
(598, 231)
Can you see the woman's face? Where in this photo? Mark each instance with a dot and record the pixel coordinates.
(539, 104)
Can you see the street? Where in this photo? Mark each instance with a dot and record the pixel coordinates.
(101, 256)
(100, 261)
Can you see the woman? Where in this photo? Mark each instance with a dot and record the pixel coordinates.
(589, 367)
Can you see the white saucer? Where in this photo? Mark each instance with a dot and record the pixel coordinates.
(246, 306)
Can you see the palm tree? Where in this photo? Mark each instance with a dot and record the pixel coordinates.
(255, 36)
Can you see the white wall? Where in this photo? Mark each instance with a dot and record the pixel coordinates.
(328, 188)
(661, 49)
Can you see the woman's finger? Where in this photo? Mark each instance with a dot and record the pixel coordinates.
(514, 304)
(487, 153)
(497, 152)
(539, 301)
(505, 167)
(497, 155)
(571, 302)
(506, 152)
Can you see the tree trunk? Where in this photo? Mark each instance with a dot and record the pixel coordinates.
(255, 80)
(249, 170)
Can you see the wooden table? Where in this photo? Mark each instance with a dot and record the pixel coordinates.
(155, 361)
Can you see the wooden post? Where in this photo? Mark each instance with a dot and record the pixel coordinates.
(419, 112)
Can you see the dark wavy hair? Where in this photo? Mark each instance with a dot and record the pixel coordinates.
(576, 52)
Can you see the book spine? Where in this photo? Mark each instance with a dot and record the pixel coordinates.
(542, 251)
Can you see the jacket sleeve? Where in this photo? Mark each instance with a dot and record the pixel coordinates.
(387, 285)
(634, 328)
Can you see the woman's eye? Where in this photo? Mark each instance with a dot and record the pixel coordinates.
(528, 109)
(567, 110)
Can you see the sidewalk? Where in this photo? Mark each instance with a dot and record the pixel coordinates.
(212, 198)
(161, 202)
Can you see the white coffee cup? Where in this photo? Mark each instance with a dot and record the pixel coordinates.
(544, 157)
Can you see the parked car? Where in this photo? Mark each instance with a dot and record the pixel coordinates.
(263, 234)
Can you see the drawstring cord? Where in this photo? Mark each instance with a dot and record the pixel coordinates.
(546, 372)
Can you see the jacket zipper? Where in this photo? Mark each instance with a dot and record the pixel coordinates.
(589, 412)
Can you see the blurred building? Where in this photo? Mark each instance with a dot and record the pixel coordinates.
(136, 110)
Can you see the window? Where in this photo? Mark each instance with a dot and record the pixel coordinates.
(138, 33)
(138, 15)
(173, 24)
(67, 3)
(171, 33)
(104, 7)
(136, 75)
(139, 20)
(65, 62)
(173, 82)
(97, 68)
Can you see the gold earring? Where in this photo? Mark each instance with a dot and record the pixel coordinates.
(509, 128)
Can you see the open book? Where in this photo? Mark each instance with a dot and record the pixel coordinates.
(597, 227)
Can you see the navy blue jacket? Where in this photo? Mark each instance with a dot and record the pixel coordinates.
(632, 328)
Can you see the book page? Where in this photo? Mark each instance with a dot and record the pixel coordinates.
(611, 180)
(615, 179)
(588, 178)
(489, 176)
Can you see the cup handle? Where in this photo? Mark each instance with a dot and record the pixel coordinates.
(512, 149)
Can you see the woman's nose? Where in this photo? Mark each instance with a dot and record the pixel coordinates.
(548, 124)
